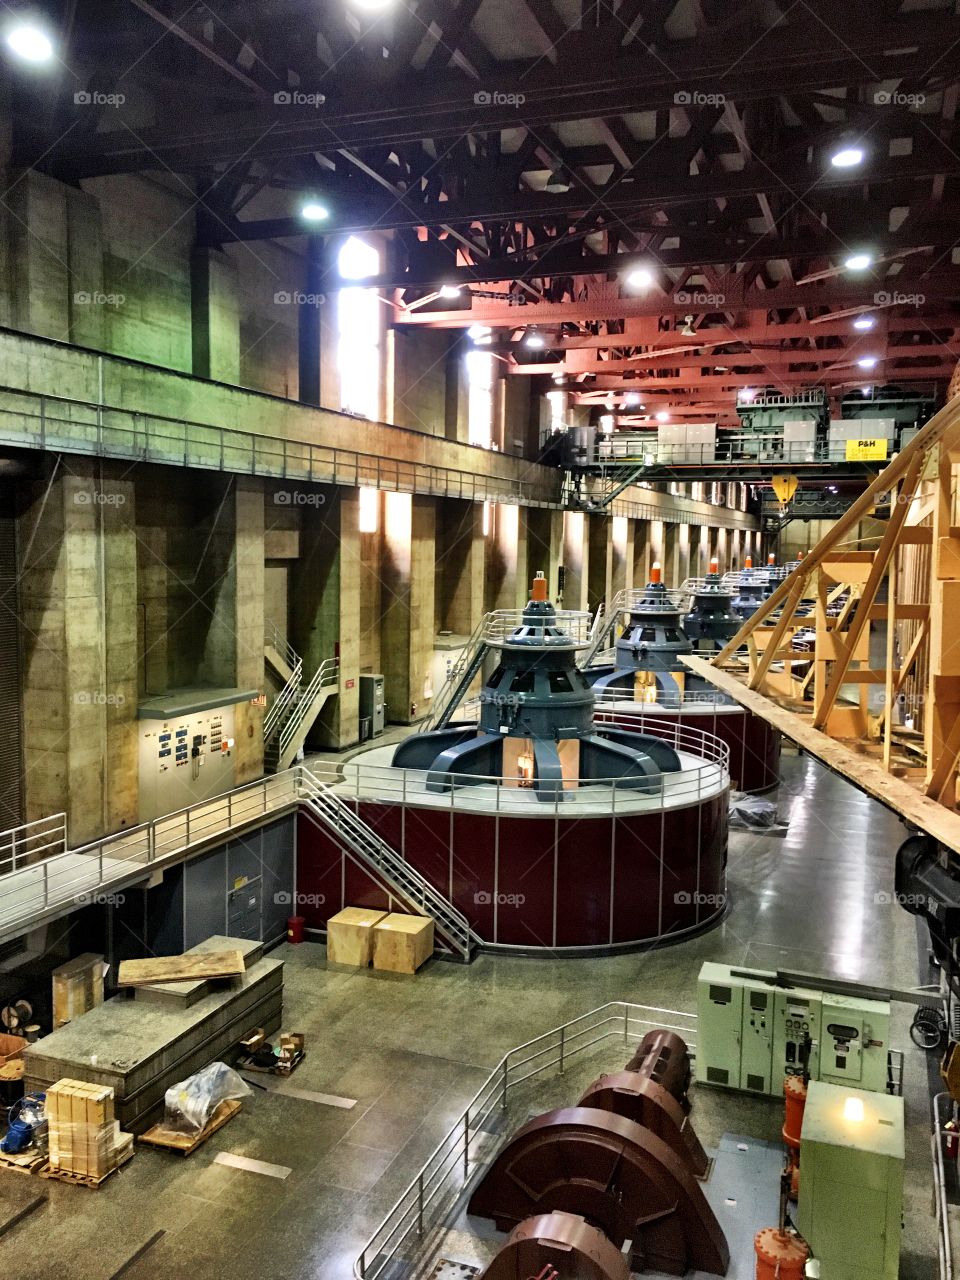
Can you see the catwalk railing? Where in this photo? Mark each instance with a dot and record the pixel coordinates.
(494, 794)
(38, 887)
(22, 845)
(31, 421)
(466, 1148)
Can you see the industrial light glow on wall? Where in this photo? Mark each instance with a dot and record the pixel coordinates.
(480, 380)
(358, 331)
(368, 510)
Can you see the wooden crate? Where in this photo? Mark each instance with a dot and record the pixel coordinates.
(350, 936)
(77, 988)
(402, 943)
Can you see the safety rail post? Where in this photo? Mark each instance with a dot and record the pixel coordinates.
(466, 1144)
(420, 1205)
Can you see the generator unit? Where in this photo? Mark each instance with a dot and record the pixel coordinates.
(851, 1182)
(753, 1029)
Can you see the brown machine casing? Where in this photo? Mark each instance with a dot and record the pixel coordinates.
(662, 1057)
(617, 1175)
(563, 1242)
(638, 1098)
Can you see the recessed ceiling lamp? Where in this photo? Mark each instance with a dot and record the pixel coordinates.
(859, 262)
(535, 341)
(748, 395)
(863, 323)
(663, 416)
(372, 6)
(867, 362)
(847, 158)
(314, 211)
(478, 332)
(451, 290)
(633, 398)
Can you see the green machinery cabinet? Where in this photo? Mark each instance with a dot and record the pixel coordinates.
(851, 1181)
(753, 1030)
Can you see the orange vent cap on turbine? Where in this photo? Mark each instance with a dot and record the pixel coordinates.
(748, 563)
(714, 565)
(539, 589)
(656, 573)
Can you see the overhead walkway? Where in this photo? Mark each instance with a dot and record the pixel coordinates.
(36, 889)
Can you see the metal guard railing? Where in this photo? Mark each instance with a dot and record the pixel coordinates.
(498, 626)
(29, 420)
(74, 877)
(31, 841)
(459, 1157)
(382, 784)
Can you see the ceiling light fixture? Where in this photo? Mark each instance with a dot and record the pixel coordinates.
(313, 211)
(30, 43)
(847, 158)
(535, 342)
(859, 262)
(867, 362)
(663, 416)
(372, 6)
(863, 323)
(640, 278)
(451, 290)
(478, 331)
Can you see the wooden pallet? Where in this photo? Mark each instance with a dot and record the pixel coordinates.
(83, 1179)
(185, 1144)
(26, 1162)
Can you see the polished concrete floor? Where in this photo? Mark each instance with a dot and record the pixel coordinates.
(412, 1052)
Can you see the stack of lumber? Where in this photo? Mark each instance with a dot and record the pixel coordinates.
(85, 1139)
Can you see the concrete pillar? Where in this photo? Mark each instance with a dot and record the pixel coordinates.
(723, 548)
(629, 554)
(90, 308)
(215, 313)
(641, 553)
(409, 548)
(576, 559)
(617, 560)
(308, 313)
(507, 563)
(78, 603)
(671, 556)
(461, 549)
(325, 609)
(597, 560)
(39, 256)
(248, 570)
(683, 552)
(545, 544)
(657, 544)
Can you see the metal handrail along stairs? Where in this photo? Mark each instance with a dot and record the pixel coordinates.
(288, 656)
(323, 804)
(462, 674)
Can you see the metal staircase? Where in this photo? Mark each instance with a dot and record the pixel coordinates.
(290, 729)
(324, 806)
(603, 624)
(293, 711)
(462, 674)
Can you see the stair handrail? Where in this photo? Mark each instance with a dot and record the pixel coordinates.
(602, 624)
(442, 699)
(273, 637)
(326, 674)
(334, 811)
